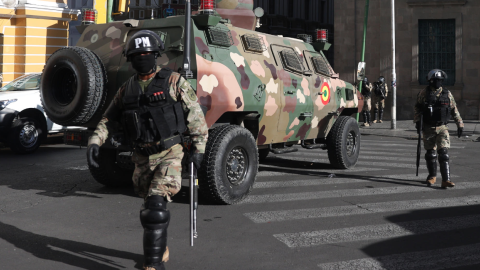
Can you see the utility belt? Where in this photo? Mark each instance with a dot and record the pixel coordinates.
(436, 124)
(157, 148)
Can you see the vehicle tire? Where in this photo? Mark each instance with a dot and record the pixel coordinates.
(110, 173)
(26, 135)
(343, 143)
(263, 154)
(72, 86)
(230, 165)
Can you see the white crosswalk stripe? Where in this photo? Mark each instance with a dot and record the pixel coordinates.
(380, 231)
(431, 259)
(359, 209)
(394, 145)
(368, 163)
(269, 171)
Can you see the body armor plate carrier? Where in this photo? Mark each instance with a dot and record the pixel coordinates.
(153, 116)
(437, 110)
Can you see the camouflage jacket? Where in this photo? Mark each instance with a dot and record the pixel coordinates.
(418, 109)
(367, 90)
(180, 89)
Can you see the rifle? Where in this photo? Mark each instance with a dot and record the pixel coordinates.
(193, 202)
(419, 131)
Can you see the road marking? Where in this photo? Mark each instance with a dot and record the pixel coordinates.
(431, 259)
(402, 145)
(368, 163)
(402, 152)
(359, 209)
(377, 157)
(303, 171)
(301, 196)
(380, 231)
(394, 178)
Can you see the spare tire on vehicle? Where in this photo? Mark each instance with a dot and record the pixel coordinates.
(72, 86)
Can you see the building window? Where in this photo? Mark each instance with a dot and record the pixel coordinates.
(436, 40)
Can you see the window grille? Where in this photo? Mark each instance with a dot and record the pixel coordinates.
(436, 40)
(254, 43)
(219, 36)
(321, 65)
(291, 61)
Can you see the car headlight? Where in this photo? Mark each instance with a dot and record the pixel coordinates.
(4, 103)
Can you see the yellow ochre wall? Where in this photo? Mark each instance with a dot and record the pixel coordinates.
(28, 36)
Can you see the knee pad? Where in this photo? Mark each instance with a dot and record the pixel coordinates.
(155, 216)
(430, 155)
(443, 155)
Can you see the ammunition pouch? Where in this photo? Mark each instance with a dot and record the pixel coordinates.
(164, 145)
(132, 125)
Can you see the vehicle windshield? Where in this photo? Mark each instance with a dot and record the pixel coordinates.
(26, 82)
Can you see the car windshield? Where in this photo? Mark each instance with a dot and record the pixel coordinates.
(26, 82)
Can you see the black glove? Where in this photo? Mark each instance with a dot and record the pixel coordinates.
(459, 132)
(417, 126)
(196, 158)
(92, 155)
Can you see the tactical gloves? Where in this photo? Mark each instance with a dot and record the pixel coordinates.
(459, 132)
(92, 155)
(196, 158)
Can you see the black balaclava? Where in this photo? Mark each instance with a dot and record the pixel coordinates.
(144, 64)
(436, 83)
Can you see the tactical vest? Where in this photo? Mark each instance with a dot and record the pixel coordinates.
(437, 110)
(366, 91)
(153, 116)
(380, 90)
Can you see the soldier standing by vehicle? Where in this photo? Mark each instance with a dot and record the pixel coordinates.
(367, 102)
(381, 92)
(155, 106)
(437, 105)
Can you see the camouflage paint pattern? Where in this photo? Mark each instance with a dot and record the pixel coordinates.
(159, 174)
(231, 79)
(435, 138)
(367, 98)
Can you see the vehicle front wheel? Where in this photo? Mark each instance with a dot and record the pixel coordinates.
(343, 143)
(230, 165)
(25, 135)
(111, 173)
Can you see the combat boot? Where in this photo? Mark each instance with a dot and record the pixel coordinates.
(381, 116)
(431, 159)
(369, 117)
(365, 119)
(444, 159)
(375, 113)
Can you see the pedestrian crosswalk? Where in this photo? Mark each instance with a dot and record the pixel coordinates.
(381, 186)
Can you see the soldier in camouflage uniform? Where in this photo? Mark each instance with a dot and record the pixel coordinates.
(156, 107)
(436, 105)
(381, 93)
(367, 102)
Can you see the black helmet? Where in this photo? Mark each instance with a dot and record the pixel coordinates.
(144, 41)
(436, 74)
(381, 79)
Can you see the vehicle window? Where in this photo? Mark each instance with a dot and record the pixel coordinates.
(253, 43)
(321, 64)
(291, 60)
(23, 83)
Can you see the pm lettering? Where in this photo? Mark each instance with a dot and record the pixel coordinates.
(144, 40)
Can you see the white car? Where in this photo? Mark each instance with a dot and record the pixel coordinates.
(23, 123)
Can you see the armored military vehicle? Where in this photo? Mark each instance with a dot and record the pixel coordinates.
(263, 94)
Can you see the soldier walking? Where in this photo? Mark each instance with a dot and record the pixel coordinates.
(380, 94)
(437, 105)
(367, 102)
(156, 106)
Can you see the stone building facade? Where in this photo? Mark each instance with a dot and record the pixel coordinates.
(429, 34)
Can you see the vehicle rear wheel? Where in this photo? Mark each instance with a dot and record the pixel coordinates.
(25, 135)
(230, 165)
(111, 173)
(72, 86)
(343, 143)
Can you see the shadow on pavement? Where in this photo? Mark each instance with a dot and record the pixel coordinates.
(81, 255)
(447, 238)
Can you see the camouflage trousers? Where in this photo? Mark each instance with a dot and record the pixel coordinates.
(367, 104)
(435, 138)
(379, 103)
(159, 174)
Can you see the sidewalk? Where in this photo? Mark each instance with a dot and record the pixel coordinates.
(406, 129)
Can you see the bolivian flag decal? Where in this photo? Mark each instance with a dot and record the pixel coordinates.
(325, 92)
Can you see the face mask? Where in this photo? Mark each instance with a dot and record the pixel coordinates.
(436, 83)
(144, 64)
